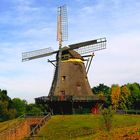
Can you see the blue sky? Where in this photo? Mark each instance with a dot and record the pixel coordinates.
(31, 24)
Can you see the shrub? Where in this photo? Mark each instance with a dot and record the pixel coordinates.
(107, 118)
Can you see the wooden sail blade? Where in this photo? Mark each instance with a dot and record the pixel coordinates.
(26, 56)
(89, 46)
(62, 24)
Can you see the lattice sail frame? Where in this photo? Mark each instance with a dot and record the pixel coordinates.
(62, 24)
(90, 46)
(37, 54)
(81, 48)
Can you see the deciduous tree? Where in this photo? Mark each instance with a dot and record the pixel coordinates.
(115, 96)
(124, 101)
(20, 106)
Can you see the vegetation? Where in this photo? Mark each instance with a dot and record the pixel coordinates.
(115, 96)
(107, 118)
(13, 108)
(7, 111)
(86, 127)
(125, 97)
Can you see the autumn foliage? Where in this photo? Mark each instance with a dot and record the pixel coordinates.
(115, 96)
(125, 97)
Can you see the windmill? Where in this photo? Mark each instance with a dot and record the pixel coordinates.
(70, 88)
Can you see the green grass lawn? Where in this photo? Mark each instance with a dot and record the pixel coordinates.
(8, 124)
(83, 127)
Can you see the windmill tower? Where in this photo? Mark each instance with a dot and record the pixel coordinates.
(70, 88)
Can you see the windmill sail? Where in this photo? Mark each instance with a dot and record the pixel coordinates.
(89, 46)
(62, 24)
(37, 54)
(82, 48)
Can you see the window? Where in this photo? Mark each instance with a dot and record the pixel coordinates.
(78, 87)
(63, 78)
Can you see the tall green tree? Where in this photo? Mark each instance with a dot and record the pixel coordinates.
(135, 95)
(4, 96)
(33, 109)
(3, 110)
(6, 108)
(103, 90)
(20, 106)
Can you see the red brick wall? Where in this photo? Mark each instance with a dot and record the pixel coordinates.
(20, 131)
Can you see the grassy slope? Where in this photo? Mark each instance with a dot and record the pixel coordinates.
(72, 126)
(123, 133)
(61, 127)
(7, 124)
